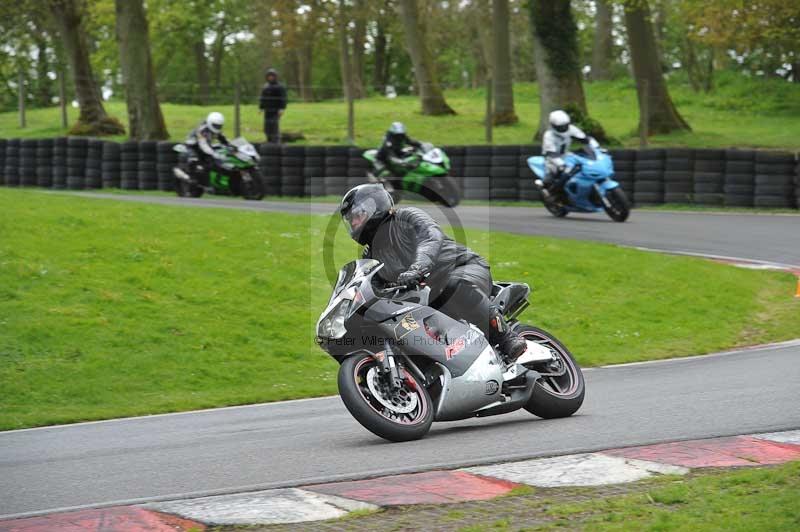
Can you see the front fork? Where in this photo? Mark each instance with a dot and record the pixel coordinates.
(602, 195)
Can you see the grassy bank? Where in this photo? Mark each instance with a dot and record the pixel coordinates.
(112, 309)
(739, 112)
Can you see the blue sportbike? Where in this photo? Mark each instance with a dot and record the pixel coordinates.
(590, 185)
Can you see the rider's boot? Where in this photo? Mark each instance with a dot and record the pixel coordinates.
(510, 343)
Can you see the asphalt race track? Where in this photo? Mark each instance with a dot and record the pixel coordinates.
(301, 442)
(316, 440)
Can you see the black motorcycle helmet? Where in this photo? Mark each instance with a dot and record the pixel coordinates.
(363, 208)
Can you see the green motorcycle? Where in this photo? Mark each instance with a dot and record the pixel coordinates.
(234, 173)
(422, 170)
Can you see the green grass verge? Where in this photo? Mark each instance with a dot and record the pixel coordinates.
(743, 500)
(115, 309)
(739, 112)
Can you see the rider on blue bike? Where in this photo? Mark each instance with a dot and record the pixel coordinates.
(555, 144)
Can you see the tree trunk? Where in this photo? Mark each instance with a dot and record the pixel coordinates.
(431, 96)
(345, 60)
(44, 93)
(93, 119)
(219, 51)
(359, 37)
(657, 112)
(502, 80)
(602, 47)
(305, 59)
(379, 72)
(145, 120)
(556, 58)
(201, 66)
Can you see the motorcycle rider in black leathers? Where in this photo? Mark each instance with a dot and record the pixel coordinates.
(390, 153)
(201, 141)
(414, 249)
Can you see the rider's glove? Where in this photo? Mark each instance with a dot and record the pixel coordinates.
(409, 278)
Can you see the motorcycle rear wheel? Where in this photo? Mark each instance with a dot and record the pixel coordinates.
(555, 208)
(373, 414)
(185, 189)
(555, 397)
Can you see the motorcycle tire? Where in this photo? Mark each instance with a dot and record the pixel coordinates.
(555, 208)
(555, 397)
(620, 206)
(187, 190)
(442, 190)
(254, 189)
(364, 406)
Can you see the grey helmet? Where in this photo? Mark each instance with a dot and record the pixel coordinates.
(363, 208)
(559, 121)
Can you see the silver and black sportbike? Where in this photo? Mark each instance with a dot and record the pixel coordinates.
(404, 365)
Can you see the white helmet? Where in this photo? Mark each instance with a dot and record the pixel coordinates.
(215, 121)
(559, 120)
(397, 128)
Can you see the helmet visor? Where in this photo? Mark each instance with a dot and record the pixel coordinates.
(356, 218)
(562, 128)
(216, 126)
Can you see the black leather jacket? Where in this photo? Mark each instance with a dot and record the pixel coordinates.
(272, 99)
(410, 239)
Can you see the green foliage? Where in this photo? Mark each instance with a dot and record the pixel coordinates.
(589, 125)
(115, 308)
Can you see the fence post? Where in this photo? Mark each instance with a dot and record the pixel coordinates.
(644, 113)
(21, 91)
(489, 113)
(237, 114)
(62, 99)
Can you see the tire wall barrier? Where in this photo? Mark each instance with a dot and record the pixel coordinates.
(737, 178)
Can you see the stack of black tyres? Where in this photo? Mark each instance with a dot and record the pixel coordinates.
(94, 164)
(527, 190)
(60, 163)
(648, 188)
(27, 162)
(504, 173)
(3, 143)
(709, 177)
(146, 168)
(12, 162)
(166, 160)
(678, 181)
(797, 184)
(336, 162)
(112, 165)
(293, 180)
(77, 148)
(740, 178)
(477, 183)
(625, 169)
(129, 165)
(44, 163)
(457, 163)
(775, 175)
(270, 168)
(357, 167)
(314, 171)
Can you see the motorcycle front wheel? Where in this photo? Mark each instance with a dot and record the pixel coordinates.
(561, 390)
(397, 415)
(620, 207)
(254, 188)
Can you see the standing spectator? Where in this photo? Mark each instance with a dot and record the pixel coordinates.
(272, 103)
